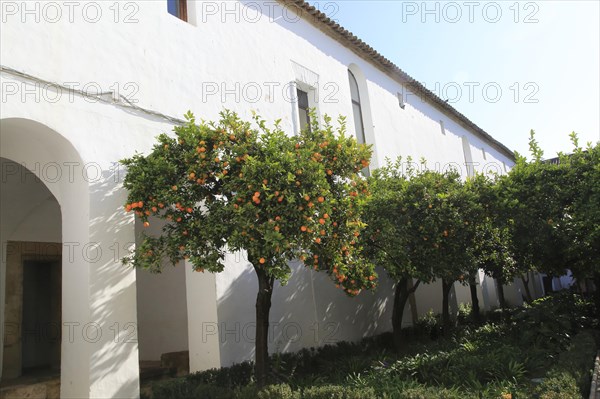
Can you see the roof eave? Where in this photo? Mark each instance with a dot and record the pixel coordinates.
(351, 41)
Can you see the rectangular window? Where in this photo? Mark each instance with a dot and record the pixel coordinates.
(303, 109)
(178, 8)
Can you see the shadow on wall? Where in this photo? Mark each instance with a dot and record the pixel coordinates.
(112, 332)
(162, 319)
(307, 312)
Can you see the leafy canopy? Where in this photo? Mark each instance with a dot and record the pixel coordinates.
(228, 186)
(417, 222)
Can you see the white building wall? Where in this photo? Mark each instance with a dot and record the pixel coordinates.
(164, 64)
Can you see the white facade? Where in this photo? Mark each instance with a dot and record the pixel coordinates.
(241, 56)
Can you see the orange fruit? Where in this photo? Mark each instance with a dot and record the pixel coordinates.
(174, 188)
(329, 172)
(179, 219)
(276, 228)
(318, 240)
(261, 261)
(322, 232)
(146, 224)
(321, 199)
(303, 228)
(189, 210)
(322, 221)
(326, 216)
(154, 209)
(192, 175)
(307, 197)
(128, 207)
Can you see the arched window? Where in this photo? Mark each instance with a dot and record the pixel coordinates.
(356, 109)
(359, 126)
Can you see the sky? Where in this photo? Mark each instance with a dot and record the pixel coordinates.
(509, 66)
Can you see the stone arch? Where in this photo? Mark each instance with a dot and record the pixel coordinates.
(53, 160)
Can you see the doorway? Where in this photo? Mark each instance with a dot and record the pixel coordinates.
(41, 322)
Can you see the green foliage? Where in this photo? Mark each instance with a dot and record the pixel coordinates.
(174, 389)
(228, 186)
(282, 391)
(494, 360)
(553, 212)
(427, 392)
(578, 360)
(237, 375)
(551, 322)
(416, 222)
(338, 392)
(559, 386)
(429, 325)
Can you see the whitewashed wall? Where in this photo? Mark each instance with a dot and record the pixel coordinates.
(242, 60)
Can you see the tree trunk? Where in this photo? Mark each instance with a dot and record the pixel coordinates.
(501, 298)
(401, 295)
(446, 323)
(474, 300)
(528, 297)
(263, 307)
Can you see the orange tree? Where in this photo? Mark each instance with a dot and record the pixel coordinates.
(416, 231)
(491, 249)
(554, 212)
(229, 186)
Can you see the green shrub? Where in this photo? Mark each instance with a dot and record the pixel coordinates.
(578, 360)
(559, 386)
(338, 392)
(178, 388)
(465, 311)
(240, 374)
(427, 392)
(204, 391)
(429, 325)
(282, 391)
